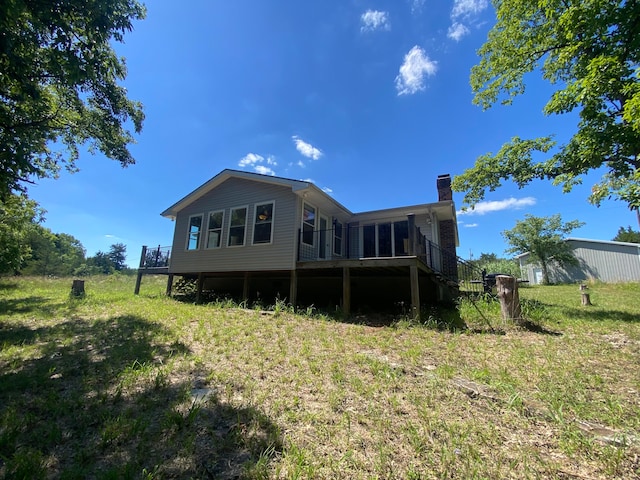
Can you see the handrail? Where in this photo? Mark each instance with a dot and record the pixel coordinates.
(157, 257)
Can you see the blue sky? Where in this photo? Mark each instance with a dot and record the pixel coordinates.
(370, 100)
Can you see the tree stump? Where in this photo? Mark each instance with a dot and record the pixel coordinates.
(509, 298)
(77, 288)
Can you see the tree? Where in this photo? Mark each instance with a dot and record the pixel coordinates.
(117, 255)
(591, 51)
(53, 253)
(18, 217)
(59, 86)
(543, 239)
(627, 235)
(494, 264)
(100, 263)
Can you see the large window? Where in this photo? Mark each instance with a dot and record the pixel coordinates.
(369, 241)
(263, 223)
(401, 238)
(195, 229)
(384, 240)
(214, 229)
(308, 224)
(237, 226)
(337, 238)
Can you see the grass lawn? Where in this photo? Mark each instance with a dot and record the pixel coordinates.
(121, 386)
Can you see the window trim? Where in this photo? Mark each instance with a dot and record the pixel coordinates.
(255, 221)
(209, 230)
(199, 240)
(246, 217)
(315, 224)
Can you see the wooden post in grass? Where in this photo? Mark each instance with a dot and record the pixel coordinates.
(346, 292)
(200, 287)
(509, 298)
(77, 288)
(585, 297)
(143, 257)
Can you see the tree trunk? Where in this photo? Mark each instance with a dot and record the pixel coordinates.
(77, 288)
(545, 273)
(509, 298)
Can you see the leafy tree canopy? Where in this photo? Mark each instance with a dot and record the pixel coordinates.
(100, 263)
(53, 253)
(627, 235)
(118, 255)
(59, 86)
(543, 238)
(590, 49)
(494, 264)
(18, 218)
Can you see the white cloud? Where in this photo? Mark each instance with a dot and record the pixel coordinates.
(416, 5)
(463, 12)
(417, 65)
(264, 170)
(467, 8)
(457, 31)
(374, 20)
(470, 225)
(254, 160)
(327, 190)
(250, 159)
(310, 180)
(483, 208)
(306, 149)
(301, 164)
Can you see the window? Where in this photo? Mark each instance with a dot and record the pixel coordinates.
(195, 227)
(237, 226)
(263, 223)
(308, 224)
(384, 240)
(214, 229)
(369, 241)
(337, 238)
(401, 238)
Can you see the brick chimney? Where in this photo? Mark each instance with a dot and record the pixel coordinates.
(447, 230)
(444, 188)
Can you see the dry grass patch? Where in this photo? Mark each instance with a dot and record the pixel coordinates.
(117, 386)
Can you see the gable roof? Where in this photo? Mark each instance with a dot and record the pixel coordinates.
(297, 186)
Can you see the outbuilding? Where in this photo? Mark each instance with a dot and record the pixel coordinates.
(601, 260)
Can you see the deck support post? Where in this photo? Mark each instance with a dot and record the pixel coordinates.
(415, 291)
(200, 287)
(136, 291)
(143, 257)
(169, 284)
(346, 291)
(293, 288)
(245, 288)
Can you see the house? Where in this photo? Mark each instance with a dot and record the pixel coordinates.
(263, 237)
(602, 260)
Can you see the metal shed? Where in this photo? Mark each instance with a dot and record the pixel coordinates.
(602, 260)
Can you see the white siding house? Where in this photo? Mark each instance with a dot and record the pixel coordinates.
(266, 237)
(602, 260)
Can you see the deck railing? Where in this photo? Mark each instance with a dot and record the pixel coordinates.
(350, 243)
(155, 257)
